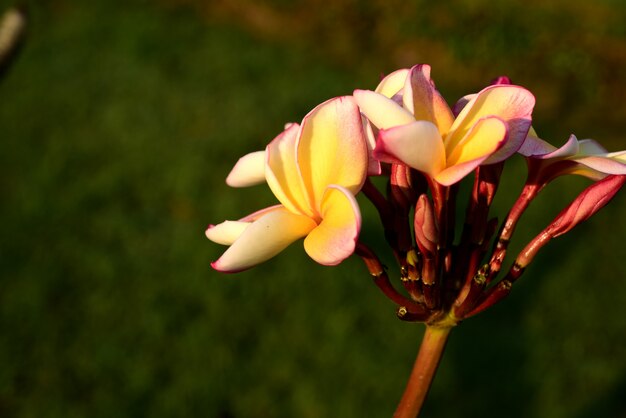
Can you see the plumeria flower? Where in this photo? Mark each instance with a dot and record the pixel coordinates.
(314, 170)
(417, 127)
(583, 157)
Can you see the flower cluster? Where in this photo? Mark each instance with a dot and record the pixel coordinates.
(405, 130)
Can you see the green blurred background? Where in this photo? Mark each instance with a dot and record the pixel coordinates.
(118, 124)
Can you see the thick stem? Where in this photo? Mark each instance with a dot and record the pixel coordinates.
(424, 369)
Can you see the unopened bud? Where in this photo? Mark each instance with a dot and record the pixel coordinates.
(401, 190)
(426, 231)
(590, 201)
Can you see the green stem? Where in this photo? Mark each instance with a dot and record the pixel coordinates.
(424, 369)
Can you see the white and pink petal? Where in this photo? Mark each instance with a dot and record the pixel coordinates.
(417, 145)
(535, 147)
(590, 147)
(248, 171)
(617, 156)
(569, 149)
(227, 232)
(382, 111)
(603, 164)
(263, 239)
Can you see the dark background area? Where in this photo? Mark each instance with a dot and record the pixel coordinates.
(119, 122)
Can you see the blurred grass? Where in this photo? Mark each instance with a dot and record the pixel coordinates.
(119, 122)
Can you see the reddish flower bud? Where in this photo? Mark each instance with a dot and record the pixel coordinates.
(426, 230)
(591, 200)
(401, 189)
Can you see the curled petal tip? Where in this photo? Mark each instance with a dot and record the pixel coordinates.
(256, 242)
(216, 265)
(570, 148)
(501, 80)
(248, 171)
(535, 147)
(393, 83)
(382, 111)
(226, 232)
(207, 231)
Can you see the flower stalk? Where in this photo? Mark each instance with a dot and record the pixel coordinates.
(529, 192)
(381, 279)
(424, 368)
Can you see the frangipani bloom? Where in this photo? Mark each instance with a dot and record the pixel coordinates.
(583, 157)
(314, 170)
(418, 128)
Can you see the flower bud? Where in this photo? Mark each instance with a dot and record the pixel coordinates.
(590, 201)
(426, 230)
(401, 190)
